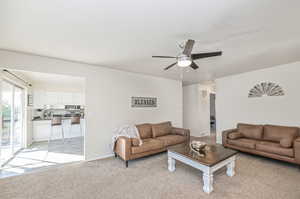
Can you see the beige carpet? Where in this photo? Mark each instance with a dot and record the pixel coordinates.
(255, 177)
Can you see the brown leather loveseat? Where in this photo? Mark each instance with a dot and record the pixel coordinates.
(278, 142)
(155, 137)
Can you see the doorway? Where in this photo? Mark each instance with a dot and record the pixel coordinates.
(34, 143)
(212, 99)
(12, 106)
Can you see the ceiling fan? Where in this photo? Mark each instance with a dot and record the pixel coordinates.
(186, 58)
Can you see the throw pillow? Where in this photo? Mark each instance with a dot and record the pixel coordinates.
(286, 142)
(235, 135)
(136, 142)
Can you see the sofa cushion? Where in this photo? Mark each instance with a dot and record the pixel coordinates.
(171, 139)
(161, 129)
(286, 142)
(145, 130)
(277, 133)
(235, 135)
(243, 142)
(251, 131)
(148, 145)
(273, 147)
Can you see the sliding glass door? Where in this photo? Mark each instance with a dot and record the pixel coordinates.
(12, 120)
(7, 107)
(18, 119)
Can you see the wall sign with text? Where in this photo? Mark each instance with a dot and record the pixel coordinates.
(143, 102)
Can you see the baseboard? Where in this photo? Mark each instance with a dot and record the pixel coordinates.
(100, 157)
(55, 138)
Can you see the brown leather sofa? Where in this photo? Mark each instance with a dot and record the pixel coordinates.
(156, 138)
(277, 142)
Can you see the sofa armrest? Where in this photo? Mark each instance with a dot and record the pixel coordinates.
(181, 131)
(225, 135)
(123, 147)
(297, 149)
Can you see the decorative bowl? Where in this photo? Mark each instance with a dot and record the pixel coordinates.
(197, 147)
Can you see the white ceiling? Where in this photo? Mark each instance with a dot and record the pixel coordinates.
(252, 34)
(52, 82)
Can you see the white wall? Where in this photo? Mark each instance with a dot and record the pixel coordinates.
(57, 88)
(196, 109)
(233, 104)
(108, 94)
(52, 82)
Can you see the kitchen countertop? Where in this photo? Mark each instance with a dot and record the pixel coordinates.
(48, 119)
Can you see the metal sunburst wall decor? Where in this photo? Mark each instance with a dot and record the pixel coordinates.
(266, 89)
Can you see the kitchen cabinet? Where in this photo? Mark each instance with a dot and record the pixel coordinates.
(42, 130)
(78, 98)
(41, 98)
(52, 98)
(66, 98)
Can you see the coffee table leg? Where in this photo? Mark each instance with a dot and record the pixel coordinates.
(208, 180)
(230, 168)
(171, 164)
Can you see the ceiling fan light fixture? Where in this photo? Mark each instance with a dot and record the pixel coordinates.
(184, 61)
(186, 58)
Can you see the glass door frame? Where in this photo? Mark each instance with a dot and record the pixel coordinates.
(12, 127)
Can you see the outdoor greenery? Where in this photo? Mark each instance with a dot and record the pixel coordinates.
(6, 111)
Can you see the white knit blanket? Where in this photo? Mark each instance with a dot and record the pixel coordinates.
(129, 131)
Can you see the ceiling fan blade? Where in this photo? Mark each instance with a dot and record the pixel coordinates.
(194, 66)
(188, 47)
(170, 66)
(204, 55)
(163, 57)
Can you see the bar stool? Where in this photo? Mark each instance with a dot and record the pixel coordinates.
(56, 121)
(75, 120)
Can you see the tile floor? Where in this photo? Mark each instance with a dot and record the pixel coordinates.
(38, 157)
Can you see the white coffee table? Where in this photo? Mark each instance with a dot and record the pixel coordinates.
(215, 159)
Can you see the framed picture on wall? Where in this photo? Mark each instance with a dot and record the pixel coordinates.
(29, 100)
(143, 102)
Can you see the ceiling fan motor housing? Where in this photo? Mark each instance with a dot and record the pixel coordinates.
(184, 60)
